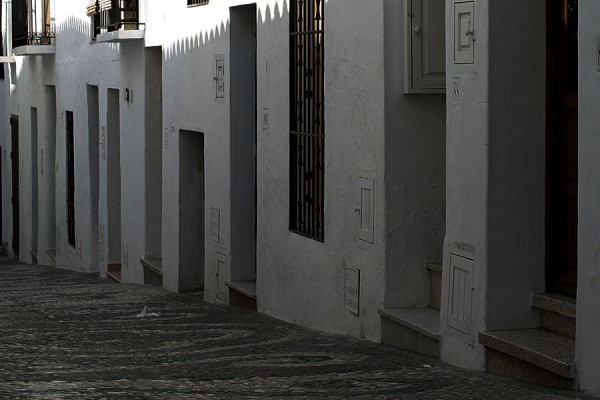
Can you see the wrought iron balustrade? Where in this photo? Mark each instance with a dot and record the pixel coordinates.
(112, 15)
(27, 29)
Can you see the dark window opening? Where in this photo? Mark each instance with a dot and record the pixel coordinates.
(197, 2)
(307, 128)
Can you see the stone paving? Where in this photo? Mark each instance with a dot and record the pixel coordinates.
(65, 335)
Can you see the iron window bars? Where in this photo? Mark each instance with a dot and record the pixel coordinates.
(22, 18)
(307, 127)
(197, 2)
(70, 179)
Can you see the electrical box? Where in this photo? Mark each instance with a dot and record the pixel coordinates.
(366, 209)
(460, 294)
(220, 76)
(464, 33)
(424, 46)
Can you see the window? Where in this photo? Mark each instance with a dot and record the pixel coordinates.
(70, 179)
(307, 128)
(112, 15)
(197, 2)
(32, 22)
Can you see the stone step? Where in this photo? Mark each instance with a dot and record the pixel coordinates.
(535, 355)
(242, 294)
(412, 328)
(557, 312)
(152, 270)
(435, 285)
(52, 255)
(114, 272)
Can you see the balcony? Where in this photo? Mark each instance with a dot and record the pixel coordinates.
(32, 28)
(115, 21)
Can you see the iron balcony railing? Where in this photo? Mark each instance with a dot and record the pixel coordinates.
(112, 15)
(41, 31)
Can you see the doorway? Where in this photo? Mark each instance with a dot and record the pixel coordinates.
(561, 203)
(49, 171)
(34, 185)
(94, 165)
(14, 156)
(113, 119)
(243, 122)
(191, 211)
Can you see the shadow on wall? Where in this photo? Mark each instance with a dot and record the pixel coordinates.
(191, 43)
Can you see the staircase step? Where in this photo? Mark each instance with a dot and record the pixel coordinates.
(51, 256)
(412, 328)
(557, 313)
(242, 294)
(547, 350)
(152, 270)
(557, 303)
(435, 285)
(114, 272)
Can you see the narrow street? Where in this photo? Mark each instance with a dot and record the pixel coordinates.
(66, 335)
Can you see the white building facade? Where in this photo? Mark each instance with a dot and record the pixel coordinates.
(411, 172)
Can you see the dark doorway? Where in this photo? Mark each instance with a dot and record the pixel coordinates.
(191, 211)
(561, 241)
(243, 143)
(34, 185)
(14, 156)
(113, 127)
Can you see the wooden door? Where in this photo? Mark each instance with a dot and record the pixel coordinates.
(562, 148)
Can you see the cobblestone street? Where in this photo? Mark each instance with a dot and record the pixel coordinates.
(72, 336)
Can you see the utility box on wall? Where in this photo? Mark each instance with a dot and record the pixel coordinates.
(424, 46)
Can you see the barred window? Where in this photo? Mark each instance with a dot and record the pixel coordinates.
(307, 128)
(70, 179)
(197, 2)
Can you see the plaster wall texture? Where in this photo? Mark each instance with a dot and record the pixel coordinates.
(76, 64)
(415, 178)
(496, 171)
(517, 162)
(588, 295)
(467, 185)
(299, 279)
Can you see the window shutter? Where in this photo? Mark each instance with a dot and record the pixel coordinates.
(424, 46)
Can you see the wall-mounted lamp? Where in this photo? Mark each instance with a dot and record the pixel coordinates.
(128, 95)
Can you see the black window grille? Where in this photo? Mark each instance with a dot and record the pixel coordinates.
(197, 2)
(70, 179)
(307, 128)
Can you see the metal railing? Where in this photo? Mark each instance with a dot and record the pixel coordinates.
(25, 35)
(122, 14)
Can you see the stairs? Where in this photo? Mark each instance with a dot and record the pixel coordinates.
(242, 294)
(542, 355)
(416, 328)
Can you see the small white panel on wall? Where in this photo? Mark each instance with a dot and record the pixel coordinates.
(352, 290)
(460, 299)
(366, 209)
(221, 271)
(464, 33)
(220, 76)
(424, 46)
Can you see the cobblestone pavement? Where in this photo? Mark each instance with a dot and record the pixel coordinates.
(65, 335)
